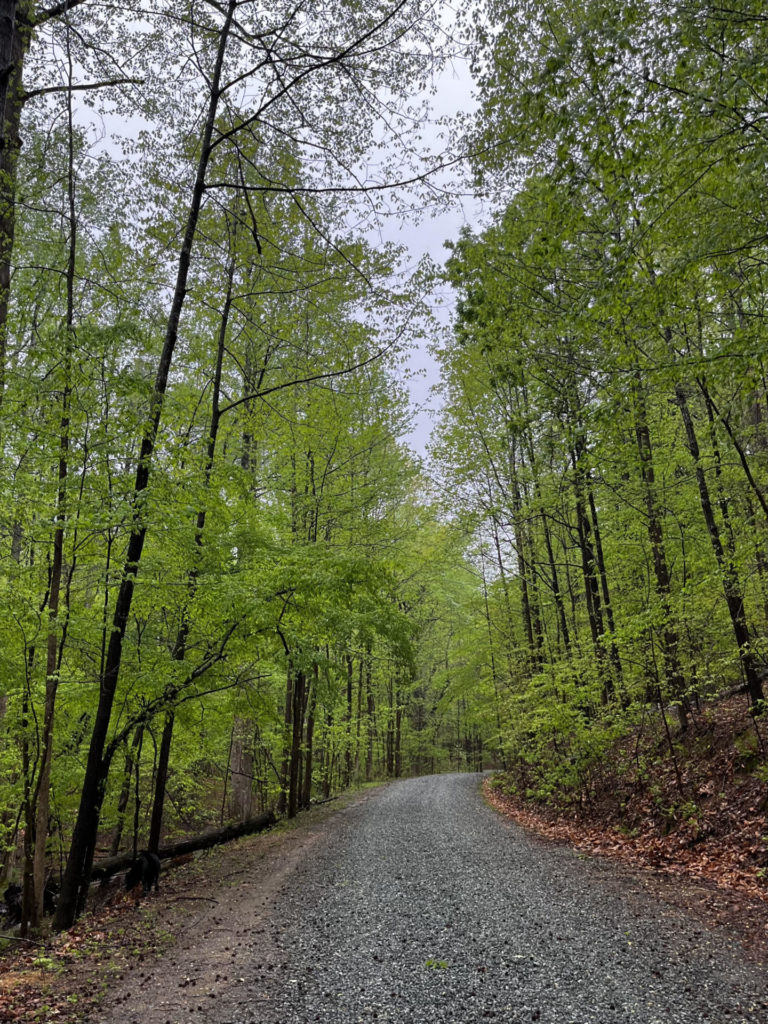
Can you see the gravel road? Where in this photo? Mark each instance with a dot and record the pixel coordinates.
(423, 905)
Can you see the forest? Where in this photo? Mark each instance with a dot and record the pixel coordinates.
(229, 585)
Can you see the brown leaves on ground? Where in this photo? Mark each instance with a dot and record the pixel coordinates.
(63, 976)
(701, 820)
(112, 949)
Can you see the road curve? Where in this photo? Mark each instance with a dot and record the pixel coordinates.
(424, 906)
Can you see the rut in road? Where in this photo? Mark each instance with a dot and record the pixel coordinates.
(425, 906)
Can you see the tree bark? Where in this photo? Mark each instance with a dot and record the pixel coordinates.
(180, 645)
(32, 915)
(672, 668)
(306, 796)
(734, 598)
(15, 35)
(348, 720)
(214, 837)
(131, 755)
(613, 650)
(299, 689)
(282, 802)
(161, 780)
(77, 872)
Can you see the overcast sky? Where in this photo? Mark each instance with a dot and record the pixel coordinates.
(427, 237)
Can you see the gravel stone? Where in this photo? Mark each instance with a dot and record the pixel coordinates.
(424, 906)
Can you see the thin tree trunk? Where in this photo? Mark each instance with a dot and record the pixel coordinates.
(125, 791)
(282, 802)
(613, 650)
(348, 720)
(589, 569)
(731, 585)
(370, 716)
(180, 645)
(33, 914)
(672, 668)
(161, 780)
(299, 687)
(15, 35)
(509, 644)
(390, 739)
(306, 797)
(562, 621)
(725, 420)
(398, 734)
(77, 872)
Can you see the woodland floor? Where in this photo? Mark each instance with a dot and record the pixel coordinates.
(703, 850)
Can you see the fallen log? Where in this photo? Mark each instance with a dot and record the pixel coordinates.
(213, 837)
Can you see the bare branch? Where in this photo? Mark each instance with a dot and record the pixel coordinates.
(83, 87)
(330, 375)
(56, 11)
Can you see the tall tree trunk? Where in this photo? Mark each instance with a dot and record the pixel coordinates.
(18, 21)
(589, 569)
(131, 755)
(390, 737)
(740, 451)
(161, 781)
(359, 715)
(33, 915)
(731, 585)
(494, 674)
(509, 644)
(670, 643)
(328, 756)
(182, 635)
(241, 769)
(398, 734)
(77, 872)
(299, 689)
(562, 622)
(527, 592)
(348, 720)
(370, 716)
(15, 34)
(607, 604)
(282, 803)
(28, 814)
(306, 797)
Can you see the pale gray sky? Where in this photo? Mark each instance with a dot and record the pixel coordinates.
(427, 237)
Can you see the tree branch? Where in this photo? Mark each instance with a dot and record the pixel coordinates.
(306, 380)
(56, 11)
(82, 88)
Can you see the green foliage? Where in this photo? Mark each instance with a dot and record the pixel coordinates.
(602, 385)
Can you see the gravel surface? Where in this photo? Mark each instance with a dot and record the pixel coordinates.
(423, 905)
